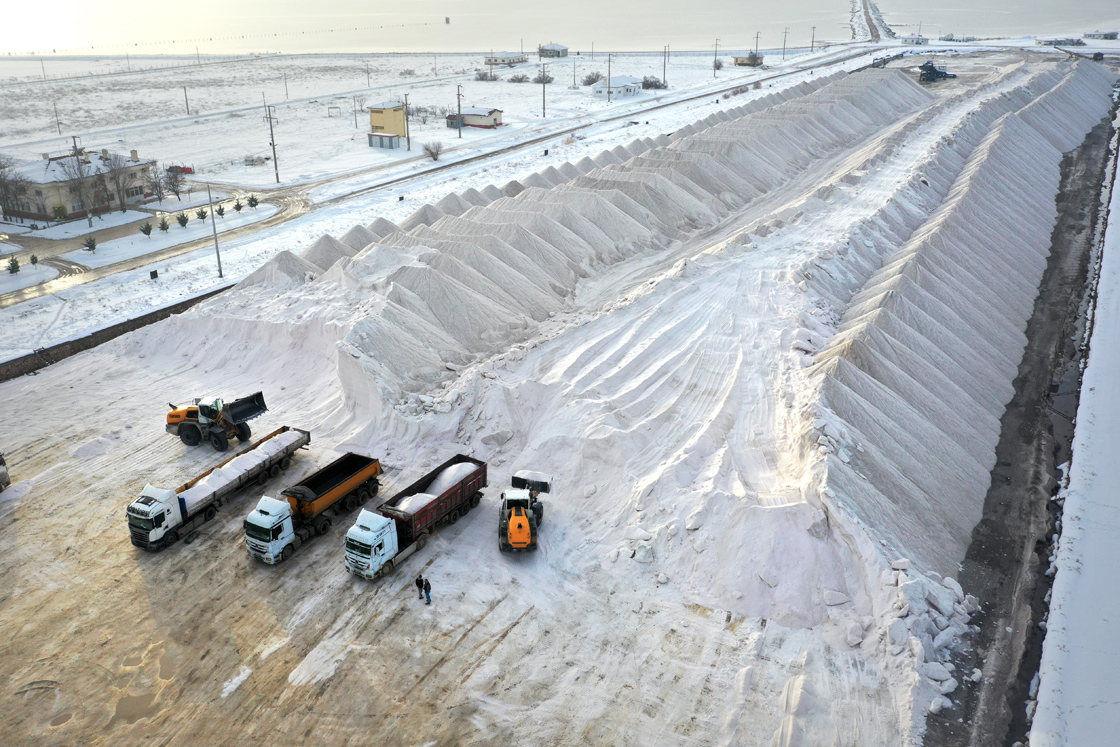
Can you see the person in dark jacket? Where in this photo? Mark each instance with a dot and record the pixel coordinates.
(419, 586)
(428, 591)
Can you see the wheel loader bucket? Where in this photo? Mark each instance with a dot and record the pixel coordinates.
(245, 408)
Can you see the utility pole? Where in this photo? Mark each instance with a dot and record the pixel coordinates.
(186, 101)
(813, 41)
(285, 86)
(757, 34)
(715, 59)
(214, 226)
(127, 63)
(544, 81)
(367, 74)
(407, 136)
(56, 122)
(665, 66)
(83, 190)
(785, 34)
(44, 66)
(272, 136)
(354, 106)
(608, 78)
(196, 56)
(459, 104)
(592, 53)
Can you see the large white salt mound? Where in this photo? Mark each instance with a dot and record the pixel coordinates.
(327, 250)
(425, 216)
(358, 237)
(381, 227)
(415, 502)
(474, 197)
(285, 270)
(453, 204)
(512, 188)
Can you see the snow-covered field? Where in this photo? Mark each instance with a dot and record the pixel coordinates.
(764, 360)
(28, 275)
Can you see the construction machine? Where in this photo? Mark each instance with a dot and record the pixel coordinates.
(217, 422)
(521, 514)
(929, 72)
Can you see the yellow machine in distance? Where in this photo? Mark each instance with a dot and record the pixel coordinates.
(520, 514)
(217, 422)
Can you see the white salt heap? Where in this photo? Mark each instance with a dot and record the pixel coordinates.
(236, 468)
(768, 354)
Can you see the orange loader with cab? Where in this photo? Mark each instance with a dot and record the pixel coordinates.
(218, 422)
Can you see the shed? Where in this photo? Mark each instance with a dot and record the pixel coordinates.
(751, 60)
(555, 50)
(508, 59)
(620, 85)
(477, 117)
(1101, 35)
(384, 140)
(914, 39)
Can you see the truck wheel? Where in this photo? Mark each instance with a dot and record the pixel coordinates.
(286, 552)
(285, 463)
(190, 434)
(349, 503)
(244, 432)
(476, 499)
(274, 470)
(219, 441)
(171, 539)
(323, 525)
(211, 512)
(262, 477)
(465, 508)
(363, 496)
(374, 486)
(421, 541)
(454, 517)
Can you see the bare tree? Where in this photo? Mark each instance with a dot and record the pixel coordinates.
(116, 175)
(154, 184)
(543, 77)
(80, 174)
(173, 182)
(433, 149)
(592, 78)
(12, 185)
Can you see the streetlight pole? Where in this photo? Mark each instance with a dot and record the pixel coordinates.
(544, 81)
(813, 41)
(785, 35)
(757, 34)
(407, 136)
(459, 103)
(608, 78)
(214, 227)
(272, 136)
(715, 59)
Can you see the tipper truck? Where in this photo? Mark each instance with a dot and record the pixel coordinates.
(277, 528)
(160, 516)
(380, 540)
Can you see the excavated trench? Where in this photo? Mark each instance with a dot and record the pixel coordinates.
(1006, 563)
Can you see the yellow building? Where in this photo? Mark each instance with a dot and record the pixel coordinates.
(387, 118)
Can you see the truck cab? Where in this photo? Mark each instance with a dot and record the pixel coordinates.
(370, 545)
(153, 516)
(269, 531)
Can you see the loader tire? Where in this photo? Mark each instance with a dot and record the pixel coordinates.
(219, 441)
(190, 434)
(244, 432)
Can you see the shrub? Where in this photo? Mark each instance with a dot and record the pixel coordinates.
(163, 224)
(519, 78)
(13, 265)
(201, 213)
(486, 75)
(146, 228)
(182, 218)
(253, 201)
(543, 77)
(34, 259)
(718, 64)
(651, 81)
(237, 206)
(220, 211)
(433, 149)
(592, 78)
(90, 244)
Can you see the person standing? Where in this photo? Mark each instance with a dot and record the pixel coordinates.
(420, 586)
(428, 591)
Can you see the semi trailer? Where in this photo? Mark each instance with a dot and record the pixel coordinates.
(160, 516)
(381, 540)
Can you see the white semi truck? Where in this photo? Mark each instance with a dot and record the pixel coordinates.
(161, 516)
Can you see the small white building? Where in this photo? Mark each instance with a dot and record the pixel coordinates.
(914, 39)
(1101, 35)
(1060, 42)
(508, 59)
(552, 50)
(620, 85)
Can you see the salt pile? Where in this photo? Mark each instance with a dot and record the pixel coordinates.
(449, 477)
(236, 468)
(327, 250)
(415, 502)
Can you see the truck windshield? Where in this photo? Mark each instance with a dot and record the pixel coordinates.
(136, 521)
(257, 532)
(358, 548)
